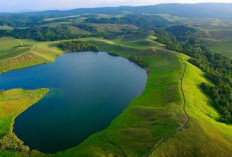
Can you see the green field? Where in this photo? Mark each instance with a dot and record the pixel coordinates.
(217, 40)
(12, 103)
(11, 47)
(5, 28)
(150, 118)
(15, 56)
(204, 136)
(223, 47)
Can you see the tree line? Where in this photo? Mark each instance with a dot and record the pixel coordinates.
(61, 32)
(142, 21)
(77, 46)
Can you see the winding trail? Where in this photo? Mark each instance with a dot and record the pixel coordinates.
(20, 54)
(185, 112)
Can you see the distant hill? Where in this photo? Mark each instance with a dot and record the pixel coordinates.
(211, 10)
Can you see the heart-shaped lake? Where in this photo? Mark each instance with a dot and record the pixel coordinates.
(87, 91)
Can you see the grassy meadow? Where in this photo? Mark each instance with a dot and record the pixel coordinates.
(148, 119)
(5, 28)
(223, 47)
(218, 40)
(204, 135)
(11, 47)
(14, 56)
(13, 103)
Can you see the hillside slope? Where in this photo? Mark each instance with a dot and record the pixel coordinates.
(204, 136)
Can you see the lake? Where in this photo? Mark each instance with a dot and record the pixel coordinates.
(87, 91)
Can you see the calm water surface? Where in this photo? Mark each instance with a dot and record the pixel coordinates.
(87, 91)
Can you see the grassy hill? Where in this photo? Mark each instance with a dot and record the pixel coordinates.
(204, 135)
(11, 47)
(13, 103)
(14, 56)
(155, 115)
(220, 46)
(215, 33)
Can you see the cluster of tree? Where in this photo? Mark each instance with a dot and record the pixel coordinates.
(138, 60)
(86, 27)
(18, 20)
(77, 46)
(44, 33)
(221, 100)
(4, 33)
(142, 21)
(217, 68)
(61, 32)
(180, 32)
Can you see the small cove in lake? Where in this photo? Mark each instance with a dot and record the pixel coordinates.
(87, 91)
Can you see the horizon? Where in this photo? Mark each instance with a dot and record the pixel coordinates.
(70, 4)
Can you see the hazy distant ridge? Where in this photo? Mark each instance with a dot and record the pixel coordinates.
(218, 10)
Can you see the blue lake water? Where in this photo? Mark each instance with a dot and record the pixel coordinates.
(87, 91)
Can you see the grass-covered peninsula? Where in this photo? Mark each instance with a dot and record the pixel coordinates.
(13, 103)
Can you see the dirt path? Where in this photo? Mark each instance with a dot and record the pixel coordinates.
(20, 42)
(20, 54)
(185, 112)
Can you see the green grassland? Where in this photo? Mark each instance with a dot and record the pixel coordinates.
(11, 47)
(204, 136)
(12, 103)
(5, 28)
(218, 41)
(150, 117)
(31, 53)
(223, 47)
(212, 24)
